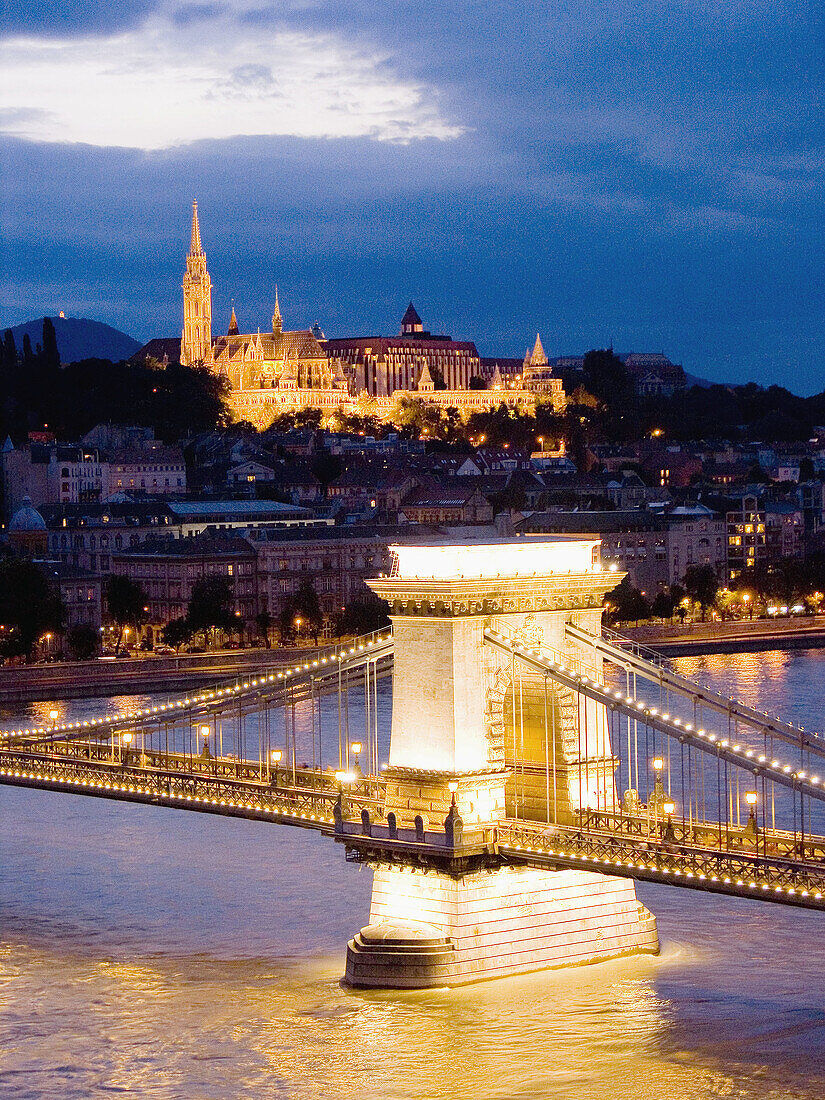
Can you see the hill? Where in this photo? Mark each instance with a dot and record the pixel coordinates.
(80, 338)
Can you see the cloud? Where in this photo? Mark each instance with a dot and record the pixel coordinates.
(161, 85)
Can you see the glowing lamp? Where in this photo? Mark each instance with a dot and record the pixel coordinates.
(356, 747)
(452, 786)
(658, 763)
(275, 756)
(127, 739)
(750, 797)
(669, 808)
(204, 731)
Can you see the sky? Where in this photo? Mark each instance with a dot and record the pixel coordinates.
(642, 173)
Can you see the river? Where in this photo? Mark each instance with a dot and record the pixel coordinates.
(156, 953)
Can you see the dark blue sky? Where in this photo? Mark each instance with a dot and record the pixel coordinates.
(649, 173)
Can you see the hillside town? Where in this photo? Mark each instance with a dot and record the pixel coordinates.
(293, 521)
(238, 489)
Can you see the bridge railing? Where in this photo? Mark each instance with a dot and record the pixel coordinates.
(791, 879)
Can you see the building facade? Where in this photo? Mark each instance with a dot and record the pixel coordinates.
(277, 371)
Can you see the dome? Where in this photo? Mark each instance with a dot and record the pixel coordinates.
(27, 518)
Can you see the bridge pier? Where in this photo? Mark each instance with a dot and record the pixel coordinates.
(493, 924)
(471, 732)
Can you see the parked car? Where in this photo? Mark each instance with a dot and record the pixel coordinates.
(164, 650)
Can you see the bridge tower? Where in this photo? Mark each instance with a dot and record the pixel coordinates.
(476, 740)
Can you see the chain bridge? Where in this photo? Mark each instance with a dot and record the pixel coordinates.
(535, 766)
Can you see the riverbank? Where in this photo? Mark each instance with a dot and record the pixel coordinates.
(134, 675)
(748, 636)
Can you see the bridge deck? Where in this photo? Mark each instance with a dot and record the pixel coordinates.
(772, 866)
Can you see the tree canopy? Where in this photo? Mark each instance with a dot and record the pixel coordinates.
(30, 606)
(126, 602)
(210, 606)
(70, 400)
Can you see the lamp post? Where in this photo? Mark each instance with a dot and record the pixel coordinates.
(274, 760)
(751, 827)
(54, 715)
(205, 753)
(356, 747)
(668, 809)
(343, 778)
(126, 741)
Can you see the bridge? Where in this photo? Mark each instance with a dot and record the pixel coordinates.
(537, 767)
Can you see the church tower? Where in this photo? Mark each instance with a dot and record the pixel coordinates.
(196, 343)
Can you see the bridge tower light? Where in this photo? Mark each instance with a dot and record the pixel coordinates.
(205, 731)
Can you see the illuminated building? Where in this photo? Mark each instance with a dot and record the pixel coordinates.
(284, 370)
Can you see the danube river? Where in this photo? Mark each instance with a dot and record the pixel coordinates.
(163, 954)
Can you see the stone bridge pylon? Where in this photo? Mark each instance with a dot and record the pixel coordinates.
(477, 739)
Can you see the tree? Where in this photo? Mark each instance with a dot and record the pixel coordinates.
(606, 377)
(30, 606)
(307, 608)
(176, 633)
(263, 621)
(126, 602)
(701, 584)
(627, 604)
(49, 355)
(362, 616)
(83, 641)
(477, 383)
(28, 354)
(210, 607)
(662, 606)
(9, 349)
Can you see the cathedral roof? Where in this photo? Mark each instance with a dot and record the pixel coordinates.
(282, 345)
(233, 324)
(411, 316)
(297, 345)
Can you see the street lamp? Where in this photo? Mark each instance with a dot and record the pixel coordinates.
(127, 741)
(751, 799)
(274, 760)
(54, 715)
(668, 809)
(205, 731)
(355, 749)
(658, 796)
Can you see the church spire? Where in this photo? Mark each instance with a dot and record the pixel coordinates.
(196, 245)
(277, 320)
(538, 358)
(233, 323)
(196, 339)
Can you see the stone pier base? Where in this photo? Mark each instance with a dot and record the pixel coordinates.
(430, 929)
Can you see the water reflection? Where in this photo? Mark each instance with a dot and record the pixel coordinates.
(162, 954)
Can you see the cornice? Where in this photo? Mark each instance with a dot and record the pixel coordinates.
(456, 598)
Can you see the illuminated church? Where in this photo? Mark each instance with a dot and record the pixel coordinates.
(268, 372)
(282, 371)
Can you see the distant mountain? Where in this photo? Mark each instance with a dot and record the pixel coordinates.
(694, 380)
(79, 338)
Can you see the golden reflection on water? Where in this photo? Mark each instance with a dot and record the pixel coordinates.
(155, 955)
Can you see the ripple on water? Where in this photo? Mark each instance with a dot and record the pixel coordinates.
(159, 954)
